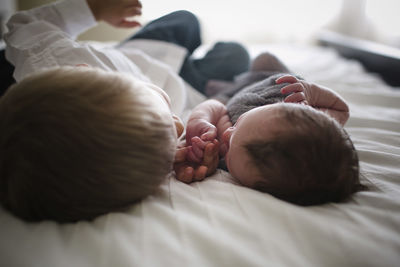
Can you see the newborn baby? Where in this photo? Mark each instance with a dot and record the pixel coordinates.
(281, 135)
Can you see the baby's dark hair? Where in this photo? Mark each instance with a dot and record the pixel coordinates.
(312, 162)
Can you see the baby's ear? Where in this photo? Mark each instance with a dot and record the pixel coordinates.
(178, 125)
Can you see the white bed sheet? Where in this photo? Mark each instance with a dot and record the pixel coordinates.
(218, 223)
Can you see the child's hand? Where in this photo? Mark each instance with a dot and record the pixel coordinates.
(116, 12)
(196, 149)
(188, 171)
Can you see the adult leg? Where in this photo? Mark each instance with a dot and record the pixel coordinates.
(223, 62)
(179, 27)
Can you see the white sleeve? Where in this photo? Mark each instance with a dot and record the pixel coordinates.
(34, 36)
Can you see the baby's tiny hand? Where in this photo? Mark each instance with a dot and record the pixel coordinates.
(196, 151)
(200, 128)
(296, 90)
(317, 96)
(188, 171)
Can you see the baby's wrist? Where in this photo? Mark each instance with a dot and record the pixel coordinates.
(193, 122)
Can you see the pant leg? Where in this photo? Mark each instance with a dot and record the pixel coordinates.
(180, 27)
(6, 73)
(223, 62)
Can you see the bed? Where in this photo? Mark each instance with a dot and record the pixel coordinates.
(219, 223)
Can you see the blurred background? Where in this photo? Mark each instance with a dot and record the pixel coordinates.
(260, 21)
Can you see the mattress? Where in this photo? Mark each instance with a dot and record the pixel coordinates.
(219, 223)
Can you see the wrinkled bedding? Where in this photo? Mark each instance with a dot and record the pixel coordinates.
(219, 223)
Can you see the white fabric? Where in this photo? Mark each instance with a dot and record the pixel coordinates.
(45, 37)
(218, 223)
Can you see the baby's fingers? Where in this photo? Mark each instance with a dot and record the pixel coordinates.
(295, 98)
(185, 174)
(211, 156)
(180, 154)
(198, 146)
(199, 142)
(292, 88)
(200, 173)
(198, 152)
(210, 152)
(192, 157)
(210, 135)
(286, 79)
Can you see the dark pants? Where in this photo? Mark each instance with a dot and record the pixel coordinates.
(224, 61)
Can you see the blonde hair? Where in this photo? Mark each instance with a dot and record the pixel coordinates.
(76, 143)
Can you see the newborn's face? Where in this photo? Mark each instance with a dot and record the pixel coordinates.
(257, 124)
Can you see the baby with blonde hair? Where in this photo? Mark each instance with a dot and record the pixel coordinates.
(88, 130)
(80, 142)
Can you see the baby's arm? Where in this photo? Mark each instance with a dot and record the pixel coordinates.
(317, 96)
(207, 122)
(199, 156)
(205, 118)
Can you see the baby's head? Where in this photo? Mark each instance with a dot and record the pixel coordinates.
(76, 143)
(293, 152)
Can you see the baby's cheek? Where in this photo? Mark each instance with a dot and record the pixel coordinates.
(241, 169)
(235, 167)
(233, 171)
